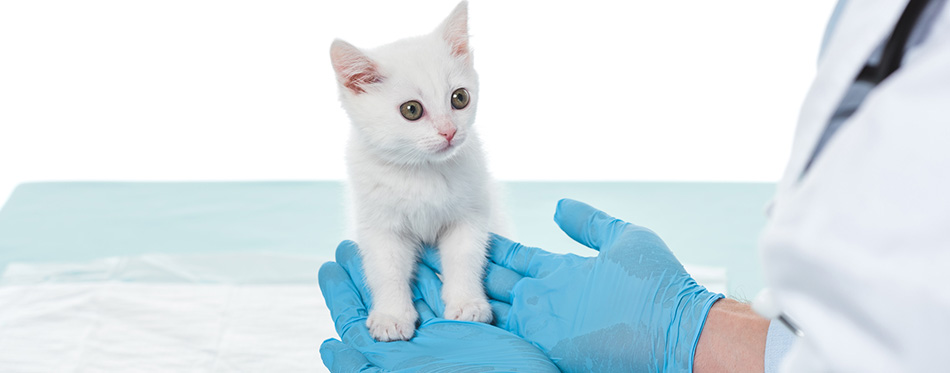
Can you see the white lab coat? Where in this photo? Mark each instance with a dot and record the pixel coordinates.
(857, 252)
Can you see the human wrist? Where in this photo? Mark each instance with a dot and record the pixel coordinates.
(732, 339)
(687, 325)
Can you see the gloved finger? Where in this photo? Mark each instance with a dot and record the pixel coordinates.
(589, 226)
(430, 257)
(425, 313)
(338, 357)
(525, 260)
(426, 291)
(345, 304)
(500, 312)
(428, 287)
(347, 254)
(499, 281)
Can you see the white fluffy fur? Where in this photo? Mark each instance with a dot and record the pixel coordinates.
(409, 184)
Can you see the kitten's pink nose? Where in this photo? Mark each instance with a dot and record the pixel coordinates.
(448, 133)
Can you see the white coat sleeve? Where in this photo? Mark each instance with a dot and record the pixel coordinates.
(777, 343)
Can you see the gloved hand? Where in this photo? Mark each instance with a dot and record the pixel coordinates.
(438, 345)
(630, 308)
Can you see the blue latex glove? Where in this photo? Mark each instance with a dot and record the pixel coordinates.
(438, 345)
(630, 308)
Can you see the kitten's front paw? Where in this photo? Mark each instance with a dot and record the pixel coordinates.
(470, 310)
(385, 327)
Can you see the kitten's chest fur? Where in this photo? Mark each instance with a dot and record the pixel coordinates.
(419, 201)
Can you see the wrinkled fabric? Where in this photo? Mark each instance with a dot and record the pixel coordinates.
(164, 313)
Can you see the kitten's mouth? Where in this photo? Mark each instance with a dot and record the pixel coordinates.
(448, 147)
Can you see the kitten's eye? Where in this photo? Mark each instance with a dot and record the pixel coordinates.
(411, 110)
(460, 98)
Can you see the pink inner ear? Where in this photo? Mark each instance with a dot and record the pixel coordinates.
(354, 69)
(455, 30)
(357, 80)
(460, 46)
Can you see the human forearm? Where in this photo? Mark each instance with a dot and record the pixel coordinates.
(732, 340)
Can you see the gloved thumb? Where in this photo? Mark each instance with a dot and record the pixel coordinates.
(589, 226)
(338, 357)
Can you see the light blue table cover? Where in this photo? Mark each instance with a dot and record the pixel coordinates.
(712, 224)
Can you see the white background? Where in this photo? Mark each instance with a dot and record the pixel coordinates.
(243, 90)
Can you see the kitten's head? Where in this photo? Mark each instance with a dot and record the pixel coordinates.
(412, 101)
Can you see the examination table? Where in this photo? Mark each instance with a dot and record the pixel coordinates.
(222, 276)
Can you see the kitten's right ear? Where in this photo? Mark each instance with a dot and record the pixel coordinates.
(353, 69)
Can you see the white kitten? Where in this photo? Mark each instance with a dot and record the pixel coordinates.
(417, 172)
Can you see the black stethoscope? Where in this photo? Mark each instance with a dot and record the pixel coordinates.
(875, 73)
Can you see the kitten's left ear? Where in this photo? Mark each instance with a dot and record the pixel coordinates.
(455, 31)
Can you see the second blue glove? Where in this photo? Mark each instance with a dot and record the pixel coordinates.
(633, 307)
